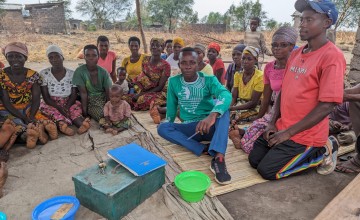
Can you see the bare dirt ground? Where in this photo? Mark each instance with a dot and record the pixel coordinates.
(299, 197)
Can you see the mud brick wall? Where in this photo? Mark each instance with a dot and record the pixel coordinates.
(47, 20)
(354, 73)
(12, 22)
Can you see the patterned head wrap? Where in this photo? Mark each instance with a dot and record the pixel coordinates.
(252, 51)
(287, 33)
(200, 47)
(179, 40)
(214, 46)
(16, 47)
(160, 40)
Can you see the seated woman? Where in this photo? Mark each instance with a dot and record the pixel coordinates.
(283, 42)
(216, 62)
(107, 58)
(133, 63)
(59, 95)
(248, 86)
(150, 84)
(93, 83)
(21, 99)
(202, 66)
(235, 66)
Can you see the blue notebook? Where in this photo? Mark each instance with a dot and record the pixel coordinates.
(136, 159)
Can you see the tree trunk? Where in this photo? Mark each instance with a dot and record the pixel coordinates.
(138, 14)
(354, 73)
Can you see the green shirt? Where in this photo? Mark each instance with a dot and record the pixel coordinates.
(82, 78)
(195, 99)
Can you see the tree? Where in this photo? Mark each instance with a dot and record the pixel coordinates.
(67, 4)
(213, 18)
(349, 13)
(241, 15)
(271, 24)
(170, 12)
(103, 10)
(138, 13)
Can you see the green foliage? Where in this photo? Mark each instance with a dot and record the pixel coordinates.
(170, 12)
(271, 24)
(67, 5)
(349, 13)
(91, 27)
(104, 10)
(213, 18)
(240, 15)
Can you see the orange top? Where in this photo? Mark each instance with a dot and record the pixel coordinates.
(108, 61)
(311, 78)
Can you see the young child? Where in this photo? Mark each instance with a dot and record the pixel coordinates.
(121, 75)
(117, 112)
(256, 38)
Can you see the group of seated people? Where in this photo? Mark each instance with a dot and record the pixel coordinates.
(288, 103)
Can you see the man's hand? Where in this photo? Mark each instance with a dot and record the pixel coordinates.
(278, 138)
(203, 127)
(270, 129)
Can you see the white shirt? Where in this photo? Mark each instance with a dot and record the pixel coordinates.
(57, 88)
(174, 64)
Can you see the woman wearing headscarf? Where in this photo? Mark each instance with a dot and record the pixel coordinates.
(202, 66)
(248, 86)
(150, 86)
(216, 62)
(283, 42)
(59, 95)
(235, 66)
(173, 59)
(21, 99)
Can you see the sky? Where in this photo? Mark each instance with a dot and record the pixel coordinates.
(280, 10)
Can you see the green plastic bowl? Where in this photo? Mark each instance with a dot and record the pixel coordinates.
(192, 185)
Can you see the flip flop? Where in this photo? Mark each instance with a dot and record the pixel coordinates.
(350, 166)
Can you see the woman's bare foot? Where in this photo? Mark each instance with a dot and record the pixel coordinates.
(51, 129)
(154, 113)
(85, 126)
(3, 176)
(64, 128)
(32, 136)
(43, 137)
(7, 129)
(235, 137)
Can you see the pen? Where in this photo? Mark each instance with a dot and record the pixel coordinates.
(193, 135)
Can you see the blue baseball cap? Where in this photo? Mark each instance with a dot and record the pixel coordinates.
(320, 6)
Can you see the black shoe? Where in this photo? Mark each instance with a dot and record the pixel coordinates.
(218, 167)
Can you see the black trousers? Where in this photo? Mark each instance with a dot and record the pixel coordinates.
(283, 159)
(354, 110)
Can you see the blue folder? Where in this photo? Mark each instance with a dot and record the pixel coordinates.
(136, 159)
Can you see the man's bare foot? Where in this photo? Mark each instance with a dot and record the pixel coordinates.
(43, 137)
(64, 128)
(7, 129)
(51, 129)
(3, 176)
(32, 136)
(85, 126)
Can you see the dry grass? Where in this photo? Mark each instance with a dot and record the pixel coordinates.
(72, 44)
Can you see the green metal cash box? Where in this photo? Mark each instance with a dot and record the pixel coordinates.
(117, 192)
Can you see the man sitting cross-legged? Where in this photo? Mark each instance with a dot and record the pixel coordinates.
(193, 92)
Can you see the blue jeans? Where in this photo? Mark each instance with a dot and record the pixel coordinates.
(179, 133)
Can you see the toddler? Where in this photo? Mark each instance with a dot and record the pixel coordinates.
(121, 75)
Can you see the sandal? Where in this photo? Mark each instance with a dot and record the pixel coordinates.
(350, 166)
(64, 128)
(85, 126)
